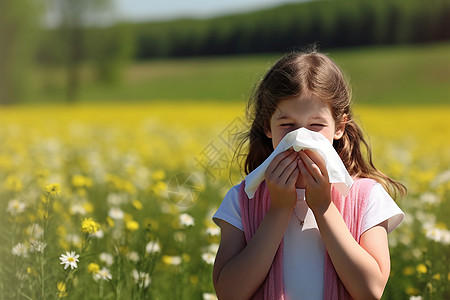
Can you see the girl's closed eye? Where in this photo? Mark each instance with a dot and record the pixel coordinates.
(287, 125)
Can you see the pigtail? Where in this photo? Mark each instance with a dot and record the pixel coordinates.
(350, 148)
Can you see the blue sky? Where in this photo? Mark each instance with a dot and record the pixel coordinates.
(150, 10)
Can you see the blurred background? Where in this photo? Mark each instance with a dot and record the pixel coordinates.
(117, 126)
(117, 50)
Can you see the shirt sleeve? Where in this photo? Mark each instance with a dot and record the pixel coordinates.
(381, 207)
(229, 210)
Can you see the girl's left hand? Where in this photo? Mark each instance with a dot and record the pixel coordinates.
(318, 188)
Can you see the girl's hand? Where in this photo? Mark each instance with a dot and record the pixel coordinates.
(280, 176)
(318, 188)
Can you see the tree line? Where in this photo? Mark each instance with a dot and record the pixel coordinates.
(106, 49)
(331, 24)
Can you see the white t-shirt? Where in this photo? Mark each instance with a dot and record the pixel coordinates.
(304, 251)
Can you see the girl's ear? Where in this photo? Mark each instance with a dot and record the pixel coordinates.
(340, 128)
(268, 133)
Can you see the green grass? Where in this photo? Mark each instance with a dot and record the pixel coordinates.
(378, 75)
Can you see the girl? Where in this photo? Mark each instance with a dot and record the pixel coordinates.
(298, 238)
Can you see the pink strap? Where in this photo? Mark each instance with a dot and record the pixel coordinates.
(253, 212)
(352, 209)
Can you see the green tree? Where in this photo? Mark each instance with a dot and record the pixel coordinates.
(18, 28)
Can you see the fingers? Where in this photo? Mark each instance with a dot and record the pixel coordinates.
(312, 166)
(280, 162)
(283, 169)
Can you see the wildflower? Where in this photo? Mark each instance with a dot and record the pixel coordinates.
(35, 231)
(99, 234)
(186, 220)
(213, 248)
(133, 256)
(137, 204)
(15, 207)
(93, 268)
(61, 286)
(408, 271)
(88, 225)
(103, 274)
(37, 246)
(209, 296)
(213, 231)
(116, 213)
(171, 260)
(158, 175)
(20, 250)
(412, 291)
(80, 181)
(77, 209)
(107, 258)
(53, 189)
(132, 225)
(153, 247)
(69, 259)
(142, 279)
(438, 235)
(13, 183)
(74, 239)
(208, 258)
(421, 268)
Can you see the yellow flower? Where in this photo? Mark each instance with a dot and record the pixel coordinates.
(88, 225)
(137, 204)
(61, 286)
(171, 260)
(88, 207)
(110, 221)
(412, 291)
(408, 270)
(421, 268)
(80, 181)
(437, 276)
(13, 183)
(53, 189)
(132, 225)
(158, 175)
(93, 268)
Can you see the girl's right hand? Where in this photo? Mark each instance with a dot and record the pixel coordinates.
(281, 176)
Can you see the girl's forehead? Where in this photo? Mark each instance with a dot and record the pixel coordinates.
(300, 105)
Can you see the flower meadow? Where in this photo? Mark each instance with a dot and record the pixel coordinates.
(114, 201)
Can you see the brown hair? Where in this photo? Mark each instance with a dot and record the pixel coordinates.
(293, 75)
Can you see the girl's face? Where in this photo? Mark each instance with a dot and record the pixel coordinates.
(309, 112)
(306, 111)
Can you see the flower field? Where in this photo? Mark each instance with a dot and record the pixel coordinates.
(115, 201)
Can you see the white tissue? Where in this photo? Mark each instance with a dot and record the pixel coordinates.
(300, 139)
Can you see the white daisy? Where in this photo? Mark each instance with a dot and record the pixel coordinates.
(35, 231)
(213, 231)
(20, 250)
(15, 207)
(133, 256)
(142, 279)
(37, 246)
(107, 258)
(153, 247)
(103, 274)
(116, 213)
(208, 258)
(209, 296)
(186, 220)
(70, 259)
